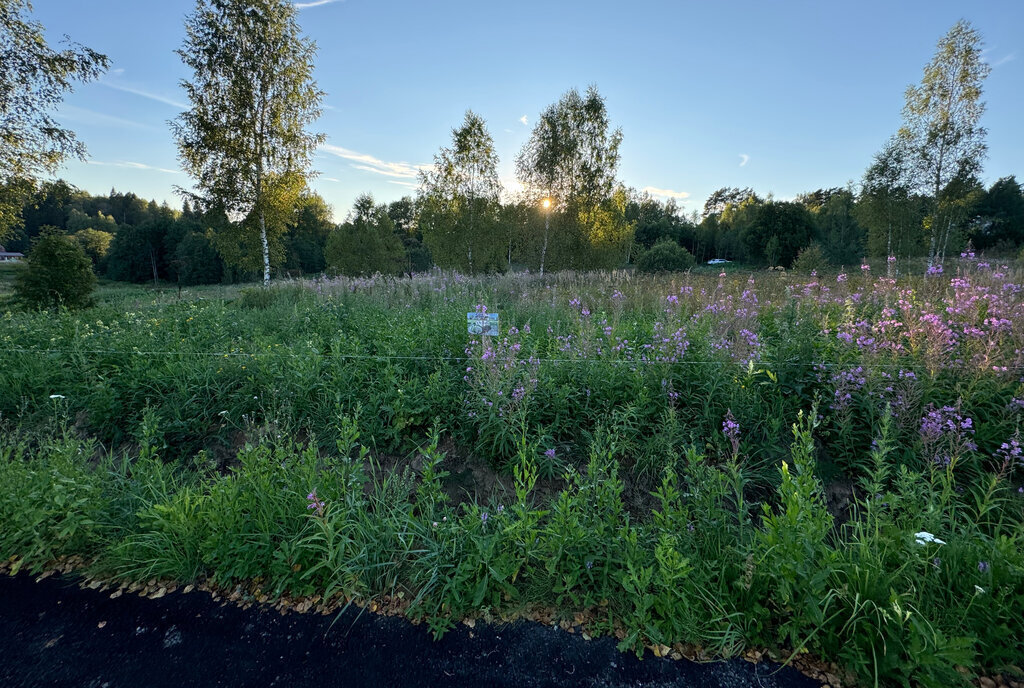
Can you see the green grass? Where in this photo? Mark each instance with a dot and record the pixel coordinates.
(175, 435)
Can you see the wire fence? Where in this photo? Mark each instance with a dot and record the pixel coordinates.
(759, 363)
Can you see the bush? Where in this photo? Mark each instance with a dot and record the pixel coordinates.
(810, 259)
(665, 256)
(58, 273)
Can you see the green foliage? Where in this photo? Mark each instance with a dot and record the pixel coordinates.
(664, 256)
(571, 159)
(307, 234)
(196, 260)
(460, 200)
(33, 83)
(95, 243)
(810, 259)
(58, 274)
(52, 503)
(244, 138)
(366, 244)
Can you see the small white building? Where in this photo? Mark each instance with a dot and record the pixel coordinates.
(10, 256)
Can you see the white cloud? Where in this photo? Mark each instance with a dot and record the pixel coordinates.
(331, 179)
(144, 94)
(368, 163)
(133, 166)
(314, 3)
(1003, 60)
(84, 116)
(666, 193)
(524, 120)
(411, 185)
(744, 159)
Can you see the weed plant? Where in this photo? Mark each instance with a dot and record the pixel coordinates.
(808, 463)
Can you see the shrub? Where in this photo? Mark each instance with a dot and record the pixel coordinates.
(58, 273)
(665, 256)
(810, 259)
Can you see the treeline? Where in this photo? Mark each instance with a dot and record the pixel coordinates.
(133, 240)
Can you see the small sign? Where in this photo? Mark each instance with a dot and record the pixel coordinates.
(482, 324)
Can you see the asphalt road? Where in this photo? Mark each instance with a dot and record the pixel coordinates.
(53, 633)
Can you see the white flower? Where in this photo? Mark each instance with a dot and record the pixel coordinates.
(56, 396)
(925, 537)
(979, 590)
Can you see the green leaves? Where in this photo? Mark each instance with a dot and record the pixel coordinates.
(33, 82)
(244, 138)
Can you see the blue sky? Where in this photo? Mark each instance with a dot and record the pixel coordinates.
(784, 97)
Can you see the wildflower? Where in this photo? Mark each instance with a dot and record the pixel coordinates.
(550, 453)
(590, 564)
(865, 267)
(483, 518)
(978, 590)
(925, 537)
(983, 566)
(434, 524)
(935, 269)
(936, 562)
(56, 396)
(315, 503)
(690, 527)
(731, 430)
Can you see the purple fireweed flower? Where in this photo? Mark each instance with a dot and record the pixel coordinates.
(731, 430)
(946, 434)
(983, 566)
(315, 503)
(1011, 452)
(550, 453)
(935, 269)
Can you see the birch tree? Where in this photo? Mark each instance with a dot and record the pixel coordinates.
(461, 197)
(245, 140)
(942, 129)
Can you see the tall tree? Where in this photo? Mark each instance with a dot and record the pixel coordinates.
(366, 243)
(1000, 215)
(33, 80)
(887, 206)
(244, 139)
(461, 197)
(307, 234)
(942, 129)
(571, 160)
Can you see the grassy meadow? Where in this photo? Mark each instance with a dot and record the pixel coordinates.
(808, 463)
